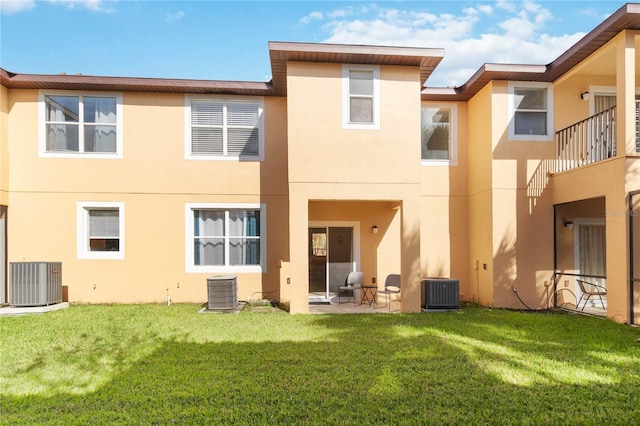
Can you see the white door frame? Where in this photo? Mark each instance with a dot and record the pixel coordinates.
(355, 241)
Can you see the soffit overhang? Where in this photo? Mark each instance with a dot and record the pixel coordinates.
(625, 18)
(282, 52)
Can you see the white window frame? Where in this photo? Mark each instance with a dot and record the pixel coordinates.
(346, 122)
(42, 127)
(225, 100)
(191, 267)
(453, 134)
(82, 215)
(549, 137)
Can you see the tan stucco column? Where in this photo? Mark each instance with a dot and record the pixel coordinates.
(617, 245)
(616, 217)
(299, 260)
(410, 255)
(626, 89)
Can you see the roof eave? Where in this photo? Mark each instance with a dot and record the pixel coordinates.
(427, 59)
(627, 17)
(131, 84)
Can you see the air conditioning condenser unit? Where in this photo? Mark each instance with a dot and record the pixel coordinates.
(35, 283)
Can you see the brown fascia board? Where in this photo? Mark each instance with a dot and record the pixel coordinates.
(282, 52)
(132, 84)
(484, 75)
(625, 18)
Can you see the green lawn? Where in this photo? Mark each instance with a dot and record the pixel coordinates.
(155, 364)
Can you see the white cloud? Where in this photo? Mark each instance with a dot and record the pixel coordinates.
(340, 13)
(93, 5)
(507, 5)
(507, 32)
(169, 17)
(14, 6)
(486, 9)
(313, 16)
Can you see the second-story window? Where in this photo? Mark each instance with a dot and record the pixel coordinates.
(531, 115)
(438, 136)
(361, 97)
(81, 124)
(224, 129)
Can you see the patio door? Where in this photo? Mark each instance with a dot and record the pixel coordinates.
(590, 254)
(318, 261)
(330, 259)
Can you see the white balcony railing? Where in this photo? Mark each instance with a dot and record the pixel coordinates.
(588, 141)
(591, 140)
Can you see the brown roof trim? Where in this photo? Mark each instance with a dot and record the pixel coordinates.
(282, 52)
(352, 50)
(627, 17)
(132, 84)
(484, 75)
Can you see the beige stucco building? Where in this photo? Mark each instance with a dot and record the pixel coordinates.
(518, 183)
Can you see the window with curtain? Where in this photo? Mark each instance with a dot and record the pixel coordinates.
(592, 252)
(81, 124)
(100, 230)
(226, 237)
(225, 128)
(602, 102)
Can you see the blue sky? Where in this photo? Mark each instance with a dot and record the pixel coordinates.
(220, 40)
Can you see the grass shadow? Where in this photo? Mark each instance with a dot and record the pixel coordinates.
(475, 366)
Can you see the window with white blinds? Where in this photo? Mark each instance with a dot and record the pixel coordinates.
(224, 128)
(104, 230)
(100, 230)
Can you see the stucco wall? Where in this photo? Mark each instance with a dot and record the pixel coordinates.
(154, 181)
(444, 222)
(329, 162)
(480, 198)
(4, 146)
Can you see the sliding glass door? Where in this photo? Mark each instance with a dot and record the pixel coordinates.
(330, 259)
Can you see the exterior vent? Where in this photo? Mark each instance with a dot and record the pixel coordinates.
(223, 292)
(35, 283)
(441, 293)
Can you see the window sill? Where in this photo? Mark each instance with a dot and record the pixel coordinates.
(252, 269)
(92, 155)
(439, 163)
(361, 126)
(101, 255)
(531, 138)
(247, 158)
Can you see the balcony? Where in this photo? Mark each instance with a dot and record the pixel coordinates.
(590, 140)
